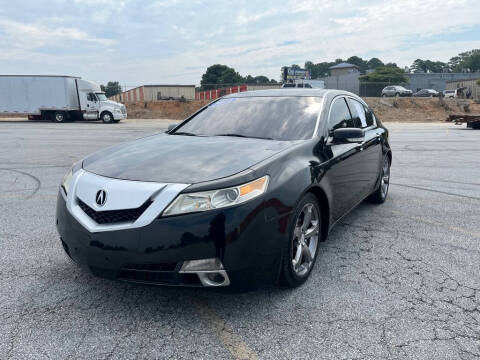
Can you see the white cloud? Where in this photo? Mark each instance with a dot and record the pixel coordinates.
(31, 36)
(174, 41)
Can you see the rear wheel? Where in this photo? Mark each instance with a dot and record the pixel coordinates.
(302, 248)
(59, 116)
(380, 195)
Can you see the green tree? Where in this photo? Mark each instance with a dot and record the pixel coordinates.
(219, 75)
(362, 64)
(386, 74)
(260, 79)
(112, 88)
(466, 61)
(318, 70)
(374, 63)
(426, 66)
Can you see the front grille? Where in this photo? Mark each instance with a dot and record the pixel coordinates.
(114, 216)
(123, 109)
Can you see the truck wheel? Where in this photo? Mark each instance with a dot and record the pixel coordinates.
(59, 116)
(106, 117)
(476, 125)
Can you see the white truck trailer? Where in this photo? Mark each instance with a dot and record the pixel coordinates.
(57, 98)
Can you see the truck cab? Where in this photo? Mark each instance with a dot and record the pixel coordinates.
(95, 105)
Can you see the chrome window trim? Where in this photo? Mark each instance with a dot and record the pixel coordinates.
(360, 100)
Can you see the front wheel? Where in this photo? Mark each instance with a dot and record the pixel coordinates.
(380, 194)
(106, 117)
(302, 248)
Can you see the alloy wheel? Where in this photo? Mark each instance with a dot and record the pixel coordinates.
(385, 177)
(305, 239)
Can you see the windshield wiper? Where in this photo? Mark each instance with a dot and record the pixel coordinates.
(186, 133)
(245, 136)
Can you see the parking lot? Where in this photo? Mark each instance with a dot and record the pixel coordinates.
(395, 281)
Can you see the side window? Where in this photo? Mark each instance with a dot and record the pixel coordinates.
(339, 115)
(358, 113)
(91, 97)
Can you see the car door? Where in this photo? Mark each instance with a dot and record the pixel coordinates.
(343, 169)
(92, 103)
(370, 151)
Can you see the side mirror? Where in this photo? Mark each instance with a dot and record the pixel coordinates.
(348, 134)
(171, 127)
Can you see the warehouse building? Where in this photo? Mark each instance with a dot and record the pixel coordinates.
(156, 93)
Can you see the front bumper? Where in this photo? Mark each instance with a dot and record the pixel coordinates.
(119, 115)
(248, 246)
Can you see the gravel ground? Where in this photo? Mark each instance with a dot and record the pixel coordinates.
(395, 281)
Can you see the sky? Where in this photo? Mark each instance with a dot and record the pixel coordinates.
(173, 42)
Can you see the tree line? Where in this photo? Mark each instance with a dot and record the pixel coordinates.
(217, 76)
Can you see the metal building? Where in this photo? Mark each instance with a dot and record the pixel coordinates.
(156, 93)
(471, 84)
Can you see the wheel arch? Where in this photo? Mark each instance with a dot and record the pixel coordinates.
(106, 111)
(324, 204)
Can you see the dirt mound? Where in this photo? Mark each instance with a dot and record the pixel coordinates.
(420, 109)
(387, 109)
(167, 109)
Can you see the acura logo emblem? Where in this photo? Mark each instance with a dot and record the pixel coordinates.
(101, 197)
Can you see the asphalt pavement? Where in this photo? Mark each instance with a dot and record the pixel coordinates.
(394, 281)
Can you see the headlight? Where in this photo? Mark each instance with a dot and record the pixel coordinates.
(66, 180)
(209, 200)
(118, 110)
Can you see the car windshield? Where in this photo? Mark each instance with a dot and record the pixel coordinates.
(101, 96)
(276, 118)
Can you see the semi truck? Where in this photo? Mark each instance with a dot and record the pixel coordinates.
(57, 98)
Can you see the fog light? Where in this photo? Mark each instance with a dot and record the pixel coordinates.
(216, 278)
(201, 265)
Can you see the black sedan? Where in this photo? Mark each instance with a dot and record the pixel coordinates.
(241, 192)
(426, 93)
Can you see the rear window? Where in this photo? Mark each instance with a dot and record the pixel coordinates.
(277, 118)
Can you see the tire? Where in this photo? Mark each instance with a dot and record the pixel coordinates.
(301, 251)
(59, 117)
(397, 94)
(380, 194)
(106, 117)
(476, 125)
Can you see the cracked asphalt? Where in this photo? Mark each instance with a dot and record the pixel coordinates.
(395, 281)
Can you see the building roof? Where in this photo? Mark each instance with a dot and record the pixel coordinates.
(167, 85)
(343, 66)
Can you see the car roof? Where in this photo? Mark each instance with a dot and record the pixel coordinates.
(287, 92)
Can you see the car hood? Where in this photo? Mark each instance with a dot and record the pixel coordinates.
(181, 159)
